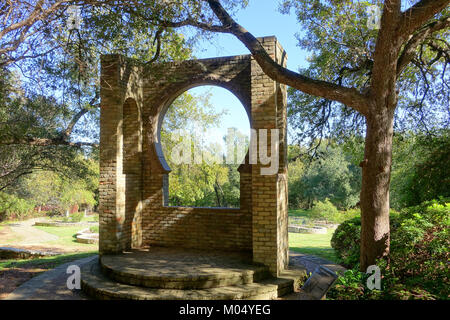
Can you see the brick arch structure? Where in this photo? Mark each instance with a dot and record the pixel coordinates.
(133, 172)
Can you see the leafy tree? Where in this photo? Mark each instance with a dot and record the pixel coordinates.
(49, 91)
(362, 71)
(331, 175)
(295, 187)
(420, 169)
(75, 193)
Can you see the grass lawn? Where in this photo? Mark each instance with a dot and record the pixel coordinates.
(313, 244)
(45, 262)
(67, 237)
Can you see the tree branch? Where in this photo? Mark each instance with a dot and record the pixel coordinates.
(77, 117)
(419, 14)
(44, 142)
(410, 49)
(348, 96)
(386, 52)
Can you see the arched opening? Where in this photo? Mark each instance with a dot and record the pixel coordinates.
(204, 137)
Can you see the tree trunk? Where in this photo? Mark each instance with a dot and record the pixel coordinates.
(376, 174)
(217, 195)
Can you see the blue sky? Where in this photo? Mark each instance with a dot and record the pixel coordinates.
(261, 18)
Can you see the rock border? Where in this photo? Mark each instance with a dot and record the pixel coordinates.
(84, 236)
(309, 230)
(16, 253)
(63, 224)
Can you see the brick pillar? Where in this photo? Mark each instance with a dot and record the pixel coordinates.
(269, 192)
(120, 176)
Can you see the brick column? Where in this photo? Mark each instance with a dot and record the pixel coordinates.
(120, 170)
(269, 192)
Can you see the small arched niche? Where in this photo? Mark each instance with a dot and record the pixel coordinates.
(204, 136)
(129, 226)
(132, 137)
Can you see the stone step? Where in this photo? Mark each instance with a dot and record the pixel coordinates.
(177, 271)
(98, 285)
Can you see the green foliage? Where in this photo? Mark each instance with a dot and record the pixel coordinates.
(40, 101)
(296, 171)
(352, 286)
(324, 210)
(77, 216)
(346, 239)
(12, 207)
(48, 188)
(418, 261)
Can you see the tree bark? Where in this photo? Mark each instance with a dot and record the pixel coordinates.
(376, 175)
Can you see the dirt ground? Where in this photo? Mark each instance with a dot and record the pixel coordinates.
(12, 278)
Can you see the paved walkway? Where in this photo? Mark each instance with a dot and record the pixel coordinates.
(312, 262)
(50, 285)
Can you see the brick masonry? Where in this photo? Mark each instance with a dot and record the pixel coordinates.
(134, 173)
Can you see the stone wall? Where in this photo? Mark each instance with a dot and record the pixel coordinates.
(134, 174)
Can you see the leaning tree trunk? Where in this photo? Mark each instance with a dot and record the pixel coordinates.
(376, 173)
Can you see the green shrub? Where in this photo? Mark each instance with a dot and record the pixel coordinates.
(77, 216)
(350, 214)
(324, 210)
(418, 262)
(351, 286)
(345, 241)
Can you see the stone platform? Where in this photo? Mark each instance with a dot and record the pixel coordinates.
(167, 274)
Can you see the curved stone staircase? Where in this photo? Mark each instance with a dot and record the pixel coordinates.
(171, 274)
